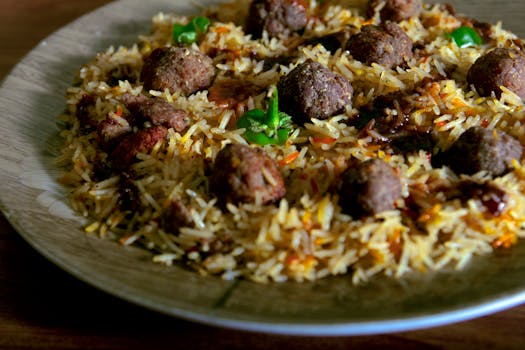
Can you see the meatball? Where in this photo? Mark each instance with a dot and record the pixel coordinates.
(313, 91)
(369, 188)
(277, 17)
(112, 129)
(483, 149)
(232, 93)
(395, 10)
(178, 69)
(177, 215)
(142, 141)
(156, 110)
(387, 45)
(241, 174)
(499, 67)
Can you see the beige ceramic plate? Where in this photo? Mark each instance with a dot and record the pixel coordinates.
(31, 97)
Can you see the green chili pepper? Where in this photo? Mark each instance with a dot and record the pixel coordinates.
(189, 33)
(465, 36)
(266, 128)
(273, 111)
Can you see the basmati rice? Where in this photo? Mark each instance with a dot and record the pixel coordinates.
(306, 235)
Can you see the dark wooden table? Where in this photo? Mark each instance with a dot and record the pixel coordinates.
(42, 307)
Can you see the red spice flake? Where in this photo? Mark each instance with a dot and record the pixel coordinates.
(395, 244)
(506, 241)
(473, 223)
(307, 220)
(292, 259)
(221, 29)
(424, 217)
(470, 112)
(125, 240)
(289, 158)
(234, 54)
(434, 89)
(368, 22)
(119, 111)
(231, 92)
(309, 262)
(314, 185)
(323, 139)
(458, 103)
(429, 214)
(372, 149)
(484, 123)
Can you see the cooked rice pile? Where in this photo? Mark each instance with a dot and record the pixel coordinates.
(305, 236)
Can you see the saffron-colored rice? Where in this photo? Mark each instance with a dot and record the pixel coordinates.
(305, 236)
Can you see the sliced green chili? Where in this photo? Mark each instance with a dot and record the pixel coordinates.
(266, 128)
(465, 36)
(273, 111)
(190, 33)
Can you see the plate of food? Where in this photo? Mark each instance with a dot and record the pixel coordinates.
(335, 167)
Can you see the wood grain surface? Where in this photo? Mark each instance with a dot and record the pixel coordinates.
(42, 307)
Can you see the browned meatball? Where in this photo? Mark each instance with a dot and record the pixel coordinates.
(369, 188)
(242, 173)
(313, 91)
(178, 69)
(156, 110)
(177, 215)
(277, 17)
(232, 93)
(112, 129)
(387, 45)
(142, 141)
(499, 67)
(483, 149)
(395, 10)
